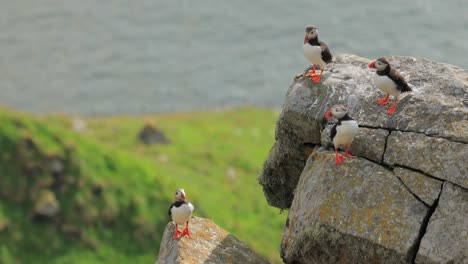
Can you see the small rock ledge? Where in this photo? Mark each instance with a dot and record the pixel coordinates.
(404, 199)
(208, 244)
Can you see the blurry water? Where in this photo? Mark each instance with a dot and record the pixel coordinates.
(178, 55)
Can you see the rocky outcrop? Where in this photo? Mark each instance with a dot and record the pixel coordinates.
(150, 135)
(388, 204)
(47, 205)
(208, 243)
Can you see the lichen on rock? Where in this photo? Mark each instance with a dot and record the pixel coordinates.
(208, 243)
(437, 157)
(321, 243)
(360, 200)
(446, 239)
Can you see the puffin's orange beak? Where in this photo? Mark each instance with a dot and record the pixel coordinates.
(306, 39)
(182, 195)
(371, 65)
(328, 114)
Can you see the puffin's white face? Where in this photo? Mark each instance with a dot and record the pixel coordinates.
(179, 195)
(311, 32)
(338, 111)
(380, 66)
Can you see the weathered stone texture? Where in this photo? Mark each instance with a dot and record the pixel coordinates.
(446, 239)
(208, 243)
(378, 207)
(437, 157)
(427, 189)
(436, 108)
(360, 200)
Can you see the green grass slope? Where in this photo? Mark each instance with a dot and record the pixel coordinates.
(114, 191)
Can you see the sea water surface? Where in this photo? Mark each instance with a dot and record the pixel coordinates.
(107, 57)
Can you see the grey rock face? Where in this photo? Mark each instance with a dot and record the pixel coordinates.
(427, 189)
(437, 157)
(359, 200)
(369, 143)
(446, 239)
(208, 243)
(376, 208)
(281, 171)
(436, 107)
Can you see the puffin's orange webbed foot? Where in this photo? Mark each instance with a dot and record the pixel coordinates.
(186, 233)
(338, 159)
(347, 154)
(177, 234)
(310, 73)
(391, 109)
(383, 101)
(316, 78)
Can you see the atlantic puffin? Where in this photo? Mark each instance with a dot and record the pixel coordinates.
(181, 211)
(343, 132)
(389, 81)
(316, 52)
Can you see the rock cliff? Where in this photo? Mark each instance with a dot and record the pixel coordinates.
(208, 244)
(404, 198)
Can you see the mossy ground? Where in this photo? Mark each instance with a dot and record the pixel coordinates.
(114, 191)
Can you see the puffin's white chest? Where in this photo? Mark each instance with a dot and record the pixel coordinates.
(182, 214)
(386, 85)
(313, 54)
(345, 133)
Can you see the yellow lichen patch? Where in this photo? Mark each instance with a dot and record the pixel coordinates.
(327, 211)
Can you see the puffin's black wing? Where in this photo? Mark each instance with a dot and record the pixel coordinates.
(333, 132)
(399, 80)
(326, 54)
(170, 207)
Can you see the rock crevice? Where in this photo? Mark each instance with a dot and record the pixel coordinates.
(413, 252)
(413, 131)
(385, 147)
(412, 193)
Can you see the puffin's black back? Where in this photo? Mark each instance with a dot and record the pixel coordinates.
(326, 54)
(333, 132)
(395, 76)
(399, 80)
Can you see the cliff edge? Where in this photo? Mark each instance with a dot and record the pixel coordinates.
(404, 198)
